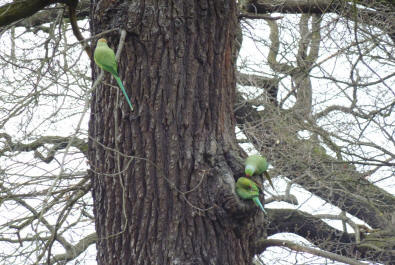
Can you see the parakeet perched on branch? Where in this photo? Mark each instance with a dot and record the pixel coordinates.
(105, 58)
(256, 165)
(247, 189)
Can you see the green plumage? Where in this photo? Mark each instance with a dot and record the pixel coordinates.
(257, 165)
(248, 190)
(105, 58)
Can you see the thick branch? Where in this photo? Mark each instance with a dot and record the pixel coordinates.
(295, 7)
(76, 250)
(58, 142)
(297, 247)
(270, 85)
(380, 17)
(373, 246)
(21, 9)
(311, 228)
(274, 63)
(329, 178)
(76, 30)
(45, 16)
(17, 10)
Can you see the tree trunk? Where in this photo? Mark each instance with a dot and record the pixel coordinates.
(163, 175)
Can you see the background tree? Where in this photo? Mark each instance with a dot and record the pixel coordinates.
(318, 103)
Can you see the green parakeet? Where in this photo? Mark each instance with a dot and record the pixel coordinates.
(247, 189)
(256, 165)
(105, 58)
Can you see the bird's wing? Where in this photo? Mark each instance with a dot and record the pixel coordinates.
(105, 58)
(261, 165)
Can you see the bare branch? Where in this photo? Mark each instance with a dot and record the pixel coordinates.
(265, 243)
(76, 250)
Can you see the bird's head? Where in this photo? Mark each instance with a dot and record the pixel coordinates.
(249, 170)
(102, 40)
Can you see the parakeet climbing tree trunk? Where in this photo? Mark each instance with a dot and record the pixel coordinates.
(163, 176)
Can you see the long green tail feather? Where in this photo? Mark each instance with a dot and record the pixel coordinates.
(259, 204)
(123, 90)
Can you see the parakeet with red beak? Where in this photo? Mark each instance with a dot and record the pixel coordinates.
(104, 57)
(257, 165)
(247, 189)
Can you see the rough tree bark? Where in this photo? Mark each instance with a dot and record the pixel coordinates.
(163, 176)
